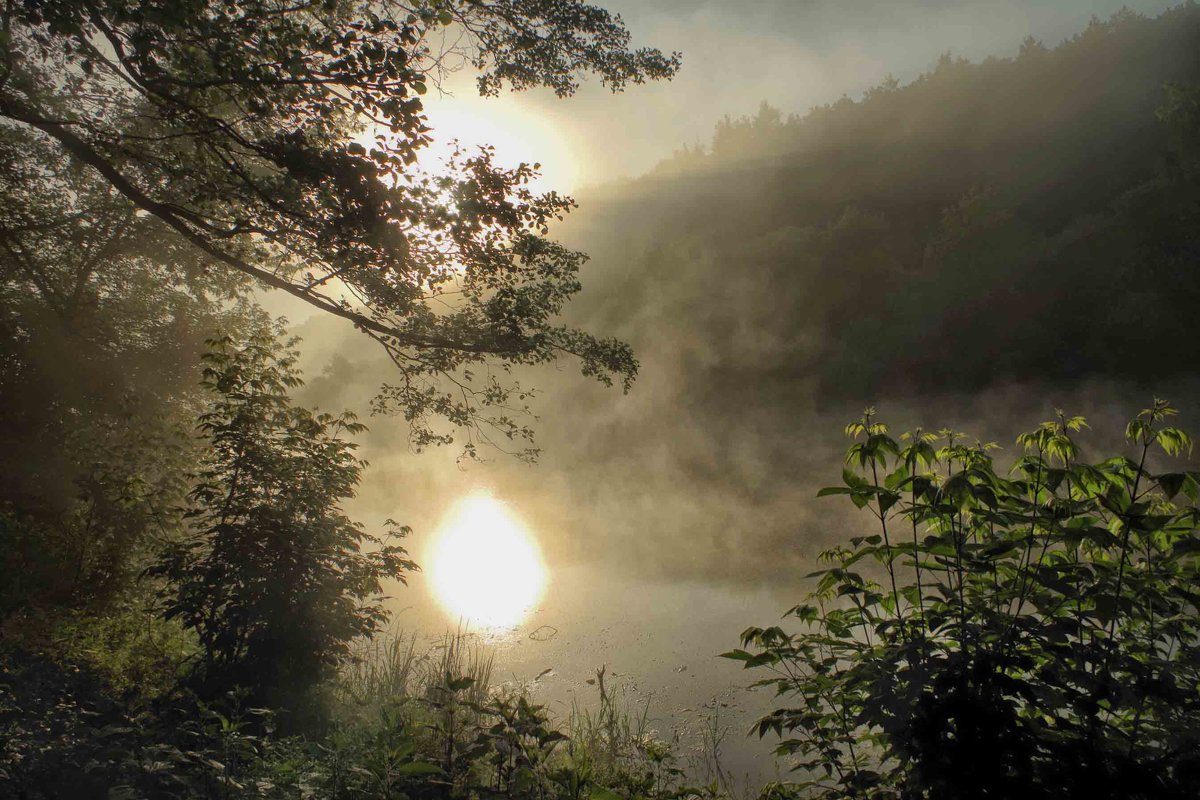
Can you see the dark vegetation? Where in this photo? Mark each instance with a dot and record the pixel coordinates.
(181, 591)
(1029, 632)
(187, 611)
(990, 241)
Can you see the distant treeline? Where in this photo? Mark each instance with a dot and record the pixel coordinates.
(1034, 217)
(975, 248)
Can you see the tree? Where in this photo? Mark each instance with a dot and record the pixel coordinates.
(274, 578)
(232, 124)
(1027, 636)
(103, 316)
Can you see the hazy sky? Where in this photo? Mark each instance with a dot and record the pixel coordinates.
(618, 466)
(792, 53)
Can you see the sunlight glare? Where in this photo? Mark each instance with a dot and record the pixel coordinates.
(484, 566)
(518, 134)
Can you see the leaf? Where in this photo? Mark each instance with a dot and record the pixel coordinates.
(1186, 546)
(459, 684)
(418, 768)
(1171, 483)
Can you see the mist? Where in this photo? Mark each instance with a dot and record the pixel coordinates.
(800, 266)
(277, 338)
(793, 55)
(933, 239)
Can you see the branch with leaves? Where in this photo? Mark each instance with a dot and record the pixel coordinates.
(280, 139)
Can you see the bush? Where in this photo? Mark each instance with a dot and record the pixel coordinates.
(1024, 635)
(275, 580)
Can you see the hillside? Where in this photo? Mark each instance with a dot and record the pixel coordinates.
(1018, 219)
(983, 245)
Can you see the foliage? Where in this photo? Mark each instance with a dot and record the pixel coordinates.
(273, 577)
(233, 125)
(614, 746)
(103, 314)
(443, 732)
(1181, 113)
(448, 732)
(945, 244)
(129, 647)
(1034, 634)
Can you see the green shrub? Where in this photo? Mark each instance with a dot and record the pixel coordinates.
(1030, 634)
(274, 579)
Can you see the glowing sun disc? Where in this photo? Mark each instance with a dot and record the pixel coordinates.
(484, 566)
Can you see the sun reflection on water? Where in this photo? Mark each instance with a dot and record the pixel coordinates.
(484, 565)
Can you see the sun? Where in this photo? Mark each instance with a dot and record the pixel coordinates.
(516, 131)
(484, 566)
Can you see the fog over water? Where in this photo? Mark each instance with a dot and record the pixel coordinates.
(348, 411)
(672, 518)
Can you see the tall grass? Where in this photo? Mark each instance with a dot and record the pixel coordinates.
(380, 670)
(392, 669)
(443, 693)
(613, 736)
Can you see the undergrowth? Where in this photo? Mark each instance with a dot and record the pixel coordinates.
(402, 722)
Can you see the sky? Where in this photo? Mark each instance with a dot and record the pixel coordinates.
(736, 54)
(904, 252)
(793, 54)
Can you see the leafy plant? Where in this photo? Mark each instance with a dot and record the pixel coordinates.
(520, 742)
(1030, 634)
(274, 578)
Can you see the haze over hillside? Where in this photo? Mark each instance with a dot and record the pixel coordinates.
(986, 243)
(796, 55)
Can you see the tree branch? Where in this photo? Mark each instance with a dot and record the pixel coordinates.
(169, 214)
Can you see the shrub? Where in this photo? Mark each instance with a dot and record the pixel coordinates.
(1029, 634)
(275, 579)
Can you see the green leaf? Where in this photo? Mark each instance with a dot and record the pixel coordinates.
(852, 480)
(418, 768)
(1171, 483)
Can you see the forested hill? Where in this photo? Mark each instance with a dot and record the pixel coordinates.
(1026, 218)
(974, 249)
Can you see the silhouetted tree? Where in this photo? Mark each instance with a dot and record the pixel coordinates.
(233, 122)
(273, 577)
(103, 316)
